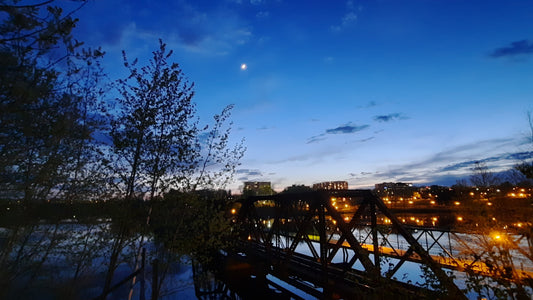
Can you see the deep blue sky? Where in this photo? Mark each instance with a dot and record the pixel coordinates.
(362, 91)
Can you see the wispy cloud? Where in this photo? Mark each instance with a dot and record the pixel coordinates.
(445, 167)
(367, 139)
(262, 14)
(501, 157)
(389, 117)
(370, 104)
(522, 47)
(264, 127)
(183, 24)
(316, 139)
(348, 128)
(349, 18)
(248, 174)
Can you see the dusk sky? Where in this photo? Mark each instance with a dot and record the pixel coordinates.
(361, 91)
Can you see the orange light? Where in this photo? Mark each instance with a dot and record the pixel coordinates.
(497, 237)
(459, 218)
(233, 211)
(457, 203)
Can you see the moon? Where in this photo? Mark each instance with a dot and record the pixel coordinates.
(244, 67)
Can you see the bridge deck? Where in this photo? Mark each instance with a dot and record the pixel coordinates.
(445, 262)
(336, 282)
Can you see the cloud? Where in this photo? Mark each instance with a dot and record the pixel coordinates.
(348, 19)
(522, 47)
(264, 127)
(360, 174)
(182, 24)
(502, 157)
(316, 139)
(389, 117)
(343, 129)
(348, 128)
(262, 14)
(437, 166)
(445, 167)
(367, 139)
(248, 174)
(370, 104)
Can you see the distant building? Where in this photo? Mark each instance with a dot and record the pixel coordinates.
(257, 188)
(395, 190)
(331, 185)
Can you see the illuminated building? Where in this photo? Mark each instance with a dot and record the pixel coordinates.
(395, 190)
(257, 188)
(331, 185)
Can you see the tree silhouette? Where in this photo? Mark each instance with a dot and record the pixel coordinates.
(154, 132)
(482, 176)
(41, 130)
(526, 167)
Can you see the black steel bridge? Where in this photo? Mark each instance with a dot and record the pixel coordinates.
(347, 244)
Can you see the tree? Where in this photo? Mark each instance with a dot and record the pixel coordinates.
(40, 114)
(154, 133)
(156, 136)
(47, 121)
(216, 165)
(526, 167)
(482, 176)
(297, 189)
(157, 145)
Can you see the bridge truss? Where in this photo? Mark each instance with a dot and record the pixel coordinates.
(348, 242)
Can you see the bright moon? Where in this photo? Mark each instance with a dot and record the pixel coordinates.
(244, 67)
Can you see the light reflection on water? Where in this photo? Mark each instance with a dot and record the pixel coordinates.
(408, 272)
